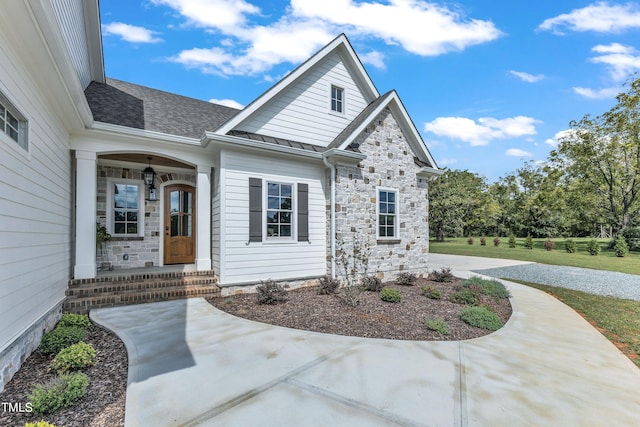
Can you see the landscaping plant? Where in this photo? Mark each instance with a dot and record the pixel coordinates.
(528, 242)
(620, 247)
(443, 275)
(61, 337)
(488, 287)
(406, 279)
(354, 264)
(71, 319)
(470, 240)
(496, 241)
(328, 285)
(438, 325)
(372, 283)
(512, 241)
(59, 393)
(270, 292)
(390, 295)
(593, 247)
(570, 246)
(481, 317)
(549, 245)
(74, 357)
(483, 241)
(468, 296)
(431, 292)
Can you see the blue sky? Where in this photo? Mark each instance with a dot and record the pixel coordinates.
(488, 83)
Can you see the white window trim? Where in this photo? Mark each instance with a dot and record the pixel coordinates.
(344, 100)
(396, 224)
(110, 206)
(23, 127)
(294, 213)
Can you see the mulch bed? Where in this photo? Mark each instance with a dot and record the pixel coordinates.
(372, 318)
(104, 403)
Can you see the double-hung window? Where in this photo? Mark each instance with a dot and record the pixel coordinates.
(387, 213)
(279, 209)
(12, 123)
(126, 208)
(337, 99)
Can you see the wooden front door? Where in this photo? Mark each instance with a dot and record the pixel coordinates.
(179, 224)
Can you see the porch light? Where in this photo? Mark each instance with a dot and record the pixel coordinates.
(149, 174)
(153, 194)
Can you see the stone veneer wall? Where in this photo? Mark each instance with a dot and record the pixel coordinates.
(142, 252)
(389, 163)
(15, 355)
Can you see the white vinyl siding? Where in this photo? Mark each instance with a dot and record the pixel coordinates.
(70, 16)
(36, 206)
(243, 261)
(302, 112)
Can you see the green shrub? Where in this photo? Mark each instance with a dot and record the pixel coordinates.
(443, 275)
(79, 320)
(270, 292)
(481, 317)
(390, 295)
(466, 296)
(372, 283)
(483, 241)
(549, 245)
(431, 292)
(438, 325)
(512, 241)
(488, 287)
(470, 240)
(60, 393)
(593, 247)
(40, 423)
(528, 242)
(570, 246)
(406, 279)
(61, 337)
(77, 356)
(328, 285)
(620, 247)
(632, 237)
(496, 241)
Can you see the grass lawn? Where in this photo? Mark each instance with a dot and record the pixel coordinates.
(558, 256)
(617, 319)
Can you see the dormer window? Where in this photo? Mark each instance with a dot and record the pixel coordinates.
(337, 99)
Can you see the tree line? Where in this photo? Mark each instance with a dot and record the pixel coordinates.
(590, 181)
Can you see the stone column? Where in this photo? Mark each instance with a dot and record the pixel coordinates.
(85, 239)
(203, 218)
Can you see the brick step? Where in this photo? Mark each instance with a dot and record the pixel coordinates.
(110, 288)
(84, 304)
(132, 278)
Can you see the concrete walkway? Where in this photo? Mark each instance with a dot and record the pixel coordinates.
(191, 364)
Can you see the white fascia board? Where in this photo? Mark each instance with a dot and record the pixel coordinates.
(429, 173)
(413, 136)
(342, 157)
(340, 41)
(109, 128)
(94, 37)
(45, 19)
(238, 142)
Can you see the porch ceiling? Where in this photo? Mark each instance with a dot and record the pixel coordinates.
(143, 159)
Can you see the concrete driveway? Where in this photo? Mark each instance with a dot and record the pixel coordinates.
(193, 365)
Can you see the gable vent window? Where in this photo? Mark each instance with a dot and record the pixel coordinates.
(337, 99)
(12, 123)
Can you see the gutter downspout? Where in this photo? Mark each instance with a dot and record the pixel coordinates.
(333, 215)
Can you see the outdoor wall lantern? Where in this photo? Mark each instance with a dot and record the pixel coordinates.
(149, 179)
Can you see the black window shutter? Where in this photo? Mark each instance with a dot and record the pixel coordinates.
(303, 212)
(255, 210)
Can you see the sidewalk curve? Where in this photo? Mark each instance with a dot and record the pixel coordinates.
(193, 365)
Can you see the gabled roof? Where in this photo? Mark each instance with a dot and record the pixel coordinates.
(127, 104)
(392, 101)
(340, 44)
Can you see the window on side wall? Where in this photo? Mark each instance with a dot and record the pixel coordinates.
(126, 208)
(13, 125)
(337, 99)
(387, 213)
(279, 219)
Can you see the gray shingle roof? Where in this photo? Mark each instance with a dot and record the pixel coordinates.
(127, 104)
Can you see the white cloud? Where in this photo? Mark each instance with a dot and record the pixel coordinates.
(373, 58)
(418, 26)
(602, 17)
(559, 136)
(526, 77)
(516, 152)
(608, 92)
(447, 161)
(227, 103)
(621, 60)
(130, 33)
(484, 131)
